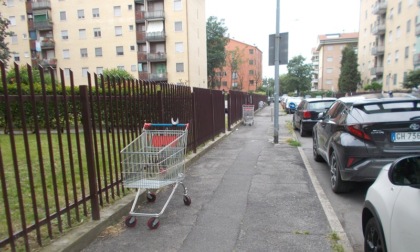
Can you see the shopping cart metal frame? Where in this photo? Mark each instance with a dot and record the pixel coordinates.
(154, 160)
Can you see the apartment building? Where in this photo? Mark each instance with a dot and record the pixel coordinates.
(326, 59)
(389, 42)
(156, 40)
(243, 70)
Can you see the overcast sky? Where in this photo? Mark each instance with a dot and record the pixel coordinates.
(252, 22)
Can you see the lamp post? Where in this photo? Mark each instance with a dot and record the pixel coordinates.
(276, 74)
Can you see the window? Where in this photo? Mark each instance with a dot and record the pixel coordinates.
(95, 12)
(132, 48)
(251, 72)
(32, 35)
(330, 48)
(388, 58)
(391, 13)
(399, 7)
(224, 83)
(26, 54)
(130, 7)
(14, 39)
(85, 71)
(99, 70)
(177, 5)
(24, 36)
(16, 57)
(82, 33)
(397, 55)
(67, 72)
(133, 68)
(408, 26)
(64, 34)
(179, 67)
(405, 76)
(131, 27)
(98, 51)
(66, 54)
(10, 3)
(22, 17)
(178, 26)
(329, 59)
(398, 32)
(235, 75)
(83, 52)
(63, 16)
(251, 51)
(97, 32)
(407, 52)
(117, 11)
(120, 67)
(12, 20)
(81, 14)
(251, 62)
(390, 36)
(251, 82)
(395, 80)
(120, 50)
(179, 47)
(118, 30)
(329, 70)
(329, 82)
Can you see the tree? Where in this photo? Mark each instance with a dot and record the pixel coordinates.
(349, 75)
(412, 80)
(298, 76)
(117, 73)
(4, 49)
(234, 62)
(216, 42)
(24, 76)
(375, 86)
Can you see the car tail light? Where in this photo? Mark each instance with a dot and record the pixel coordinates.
(357, 131)
(306, 114)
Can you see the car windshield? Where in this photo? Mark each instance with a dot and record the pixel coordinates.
(320, 105)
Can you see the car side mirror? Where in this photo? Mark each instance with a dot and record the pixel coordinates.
(321, 115)
(405, 171)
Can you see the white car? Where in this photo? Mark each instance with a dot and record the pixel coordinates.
(391, 213)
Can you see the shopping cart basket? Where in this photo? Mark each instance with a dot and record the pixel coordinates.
(153, 160)
(248, 114)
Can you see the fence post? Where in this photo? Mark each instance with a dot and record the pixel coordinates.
(212, 115)
(229, 108)
(194, 120)
(90, 153)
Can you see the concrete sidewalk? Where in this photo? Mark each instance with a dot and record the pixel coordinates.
(247, 193)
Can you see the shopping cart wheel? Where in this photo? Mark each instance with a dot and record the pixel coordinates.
(153, 223)
(130, 221)
(187, 200)
(151, 197)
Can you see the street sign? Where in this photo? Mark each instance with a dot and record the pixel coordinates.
(283, 49)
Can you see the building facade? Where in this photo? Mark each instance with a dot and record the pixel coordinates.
(243, 70)
(389, 43)
(326, 59)
(156, 40)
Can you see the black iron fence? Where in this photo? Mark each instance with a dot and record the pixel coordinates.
(60, 148)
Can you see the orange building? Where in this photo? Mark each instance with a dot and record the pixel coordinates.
(243, 70)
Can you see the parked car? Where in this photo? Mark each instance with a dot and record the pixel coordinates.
(292, 103)
(390, 216)
(357, 140)
(306, 114)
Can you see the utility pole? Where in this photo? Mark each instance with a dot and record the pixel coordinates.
(276, 74)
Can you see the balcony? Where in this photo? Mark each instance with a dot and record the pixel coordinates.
(139, 1)
(142, 56)
(155, 15)
(378, 50)
(158, 76)
(28, 7)
(379, 29)
(41, 5)
(378, 71)
(43, 25)
(155, 36)
(418, 29)
(156, 57)
(141, 37)
(140, 16)
(47, 63)
(379, 8)
(47, 44)
(416, 60)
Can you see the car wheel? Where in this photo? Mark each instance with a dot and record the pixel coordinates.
(293, 123)
(337, 185)
(317, 157)
(301, 131)
(374, 239)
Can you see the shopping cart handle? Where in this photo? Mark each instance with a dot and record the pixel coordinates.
(148, 125)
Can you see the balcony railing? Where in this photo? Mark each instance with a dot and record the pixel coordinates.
(158, 76)
(40, 5)
(43, 25)
(379, 29)
(378, 50)
(416, 59)
(378, 71)
(155, 36)
(154, 15)
(379, 8)
(155, 57)
(47, 62)
(142, 56)
(140, 16)
(141, 37)
(47, 44)
(418, 29)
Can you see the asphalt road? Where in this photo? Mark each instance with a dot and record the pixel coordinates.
(348, 207)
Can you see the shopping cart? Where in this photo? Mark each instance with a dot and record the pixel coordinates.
(153, 160)
(248, 114)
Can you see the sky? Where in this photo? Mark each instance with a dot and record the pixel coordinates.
(252, 22)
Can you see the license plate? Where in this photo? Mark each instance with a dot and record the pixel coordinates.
(405, 137)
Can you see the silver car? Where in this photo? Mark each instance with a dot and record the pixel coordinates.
(357, 139)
